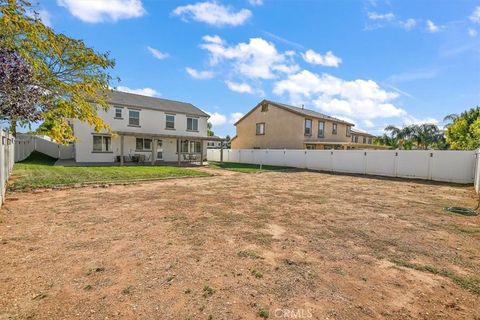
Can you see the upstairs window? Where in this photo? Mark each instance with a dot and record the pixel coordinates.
(364, 140)
(170, 121)
(349, 131)
(334, 128)
(308, 127)
(118, 113)
(192, 124)
(260, 128)
(369, 140)
(321, 129)
(143, 144)
(102, 143)
(264, 107)
(134, 118)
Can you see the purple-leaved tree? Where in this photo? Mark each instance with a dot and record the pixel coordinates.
(19, 95)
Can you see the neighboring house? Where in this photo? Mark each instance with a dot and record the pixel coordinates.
(359, 137)
(217, 144)
(273, 125)
(146, 128)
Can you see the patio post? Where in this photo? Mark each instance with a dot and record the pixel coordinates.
(221, 151)
(154, 150)
(201, 152)
(121, 149)
(178, 151)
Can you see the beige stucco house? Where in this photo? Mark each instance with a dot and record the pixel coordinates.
(273, 125)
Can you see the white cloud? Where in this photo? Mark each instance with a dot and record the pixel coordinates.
(142, 91)
(357, 99)
(328, 60)
(157, 53)
(475, 17)
(201, 75)
(432, 27)
(414, 75)
(257, 59)
(472, 33)
(234, 117)
(105, 10)
(256, 2)
(239, 87)
(408, 120)
(368, 123)
(217, 119)
(381, 16)
(408, 24)
(213, 13)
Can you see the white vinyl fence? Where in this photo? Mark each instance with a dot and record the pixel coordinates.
(26, 144)
(6, 161)
(477, 171)
(438, 165)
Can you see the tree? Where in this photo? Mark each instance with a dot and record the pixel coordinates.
(19, 94)
(420, 136)
(210, 133)
(463, 133)
(70, 74)
(228, 143)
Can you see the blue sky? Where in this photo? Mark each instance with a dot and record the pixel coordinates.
(372, 62)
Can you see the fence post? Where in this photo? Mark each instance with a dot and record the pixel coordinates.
(395, 164)
(430, 161)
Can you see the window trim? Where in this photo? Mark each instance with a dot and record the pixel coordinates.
(257, 126)
(196, 120)
(305, 127)
(130, 117)
(121, 113)
(103, 144)
(143, 145)
(334, 128)
(166, 121)
(323, 129)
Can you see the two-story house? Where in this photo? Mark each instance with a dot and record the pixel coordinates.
(144, 128)
(359, 137)
(273, 125)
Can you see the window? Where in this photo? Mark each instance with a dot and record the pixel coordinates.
(369, 140)
(334, 128)
(310, 147)
(195, 146)
(260, 128)
(264, 107)
(349, 131)
(170, 121)
(321, 129)
(143, 144)
(308, 127)
(364, 140)
(133, 117)
(356, 139)
(192, 124)
(118, 113)
(183, 146)
(102, 144)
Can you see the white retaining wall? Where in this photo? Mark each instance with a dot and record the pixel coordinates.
(438, 165)
(7, 155)
(26, 144)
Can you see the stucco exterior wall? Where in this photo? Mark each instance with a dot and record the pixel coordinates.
(283, 130)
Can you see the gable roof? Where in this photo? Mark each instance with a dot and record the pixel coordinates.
(136, 100)
(297, 110)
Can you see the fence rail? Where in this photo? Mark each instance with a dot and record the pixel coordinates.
(438, 165)
(7, 157)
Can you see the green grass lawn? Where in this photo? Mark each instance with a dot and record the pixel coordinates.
(38, 171)
(246, 167)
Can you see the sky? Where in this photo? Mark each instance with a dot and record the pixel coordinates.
(371, 62)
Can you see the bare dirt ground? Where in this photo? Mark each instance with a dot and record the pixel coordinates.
(298, 245)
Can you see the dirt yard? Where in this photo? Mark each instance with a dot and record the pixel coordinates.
(282, 245)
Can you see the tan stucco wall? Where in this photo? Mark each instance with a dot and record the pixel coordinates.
(283, 129)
